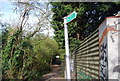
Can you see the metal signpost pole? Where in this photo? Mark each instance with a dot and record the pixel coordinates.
(68, 75)
(67, 19)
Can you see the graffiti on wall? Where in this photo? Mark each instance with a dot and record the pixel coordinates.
(103, 62)
(114, 31)
(116, 69)
(113, 34)
(109, 33)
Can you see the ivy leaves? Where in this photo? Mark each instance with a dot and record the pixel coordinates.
(27, 58)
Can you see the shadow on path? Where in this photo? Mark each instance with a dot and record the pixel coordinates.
(55, 75)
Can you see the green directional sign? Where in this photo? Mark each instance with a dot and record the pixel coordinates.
(70, 17)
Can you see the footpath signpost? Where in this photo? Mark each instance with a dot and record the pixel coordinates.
(66, 20)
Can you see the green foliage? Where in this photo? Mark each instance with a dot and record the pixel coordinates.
(4, 33)
(89, 16)
(27, 58)
(45, 49)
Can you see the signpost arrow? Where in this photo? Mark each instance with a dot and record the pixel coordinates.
(70, 17)
(66, 20)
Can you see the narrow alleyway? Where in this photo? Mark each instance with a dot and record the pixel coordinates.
(55, 75)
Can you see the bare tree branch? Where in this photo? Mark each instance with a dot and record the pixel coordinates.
(28, 7)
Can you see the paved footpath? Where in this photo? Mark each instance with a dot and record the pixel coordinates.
(55, 75)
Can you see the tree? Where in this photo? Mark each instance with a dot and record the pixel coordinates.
(34, 16)
(89, 17)
(19, 53)
(45, 49)
(30, 59)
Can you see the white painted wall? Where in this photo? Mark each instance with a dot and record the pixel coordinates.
(112, 49)
(111, 39)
